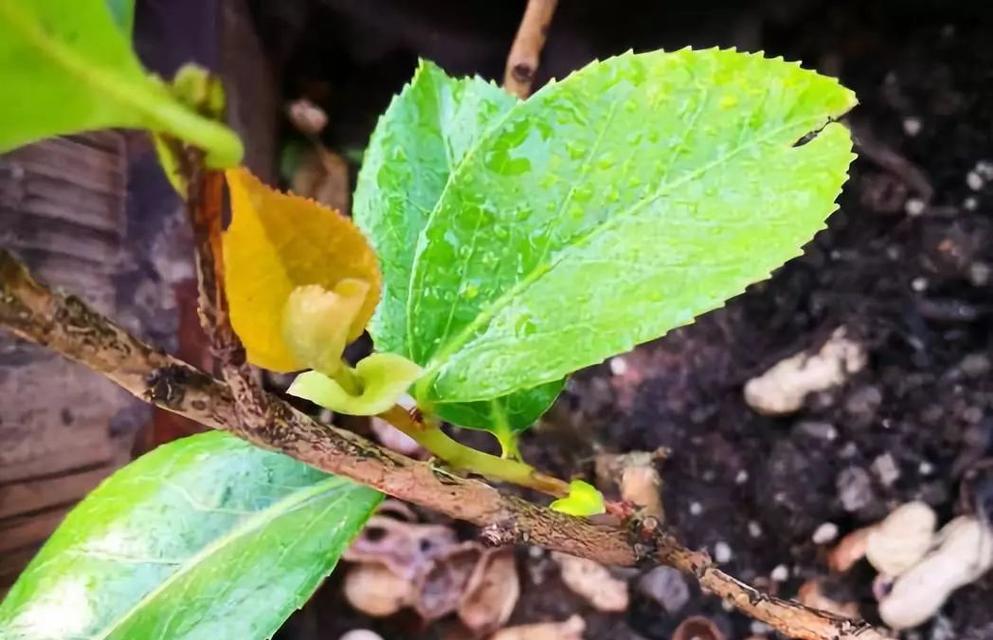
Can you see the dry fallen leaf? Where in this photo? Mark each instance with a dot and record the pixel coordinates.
(697, 628)
(642, 486)
(323, 175)
(276, 243)
(593, 582)
(408, 549)
(571, 629)
(440, 588)
(375, 590)
(492, 592)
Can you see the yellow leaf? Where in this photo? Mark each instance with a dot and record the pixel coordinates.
(316, 322)
(276, 243)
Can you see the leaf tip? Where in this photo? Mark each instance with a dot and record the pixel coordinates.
(583, 500)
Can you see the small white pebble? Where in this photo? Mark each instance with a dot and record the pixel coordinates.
(886, 469)
(970, 203)
(696, 508)
(741, 478)
(825, 533)
(919, 284)
(618, 366)
(361, 634)
(754, 529)
(925, 468)
(974, 180)
(722, 552)
(850, 450)
(759, 628)
(985, 169)
(780, 574)
(979, 274)
(911, 126)
(914, 207)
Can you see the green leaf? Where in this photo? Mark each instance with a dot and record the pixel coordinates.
(616, 205)
(513, 413)
(204, 538)
(583, 500)
(123, 13)
(424, 133)
(68, 67)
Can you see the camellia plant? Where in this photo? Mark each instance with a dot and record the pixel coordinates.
(498, 246)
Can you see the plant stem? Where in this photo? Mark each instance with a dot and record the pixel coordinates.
(522, 62)
(67, 326)
(430, 436)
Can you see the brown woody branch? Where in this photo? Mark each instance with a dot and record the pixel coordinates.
(205, 207)
(525, 52)
(66, 325)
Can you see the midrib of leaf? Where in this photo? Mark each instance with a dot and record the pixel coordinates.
(489, 311)
(201, 131)
(415, 282)
(450, 166)
(582, 173)
(393, 225)
(249, 525)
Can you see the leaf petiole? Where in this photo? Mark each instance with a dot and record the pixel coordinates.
(429, 435)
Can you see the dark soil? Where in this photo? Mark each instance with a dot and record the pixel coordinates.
(905, 266)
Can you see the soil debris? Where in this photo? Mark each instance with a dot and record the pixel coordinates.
(569, 629)
(593, 582)
(782, 389)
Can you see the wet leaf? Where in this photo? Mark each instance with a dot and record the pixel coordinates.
(207, 537)
(123, 14)
(379, 380)
(70, 68)
(506, 416)
(276, 244)
(583, 500)
(425, 132)
(615, 205)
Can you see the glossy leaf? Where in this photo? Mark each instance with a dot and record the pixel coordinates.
(204, 538)
(123, 14)
(421, 136)
(583, 500)
(69, 67)
(513, 413)
(276, 243)
(424, 133)
(615, 205)
(378, 382)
